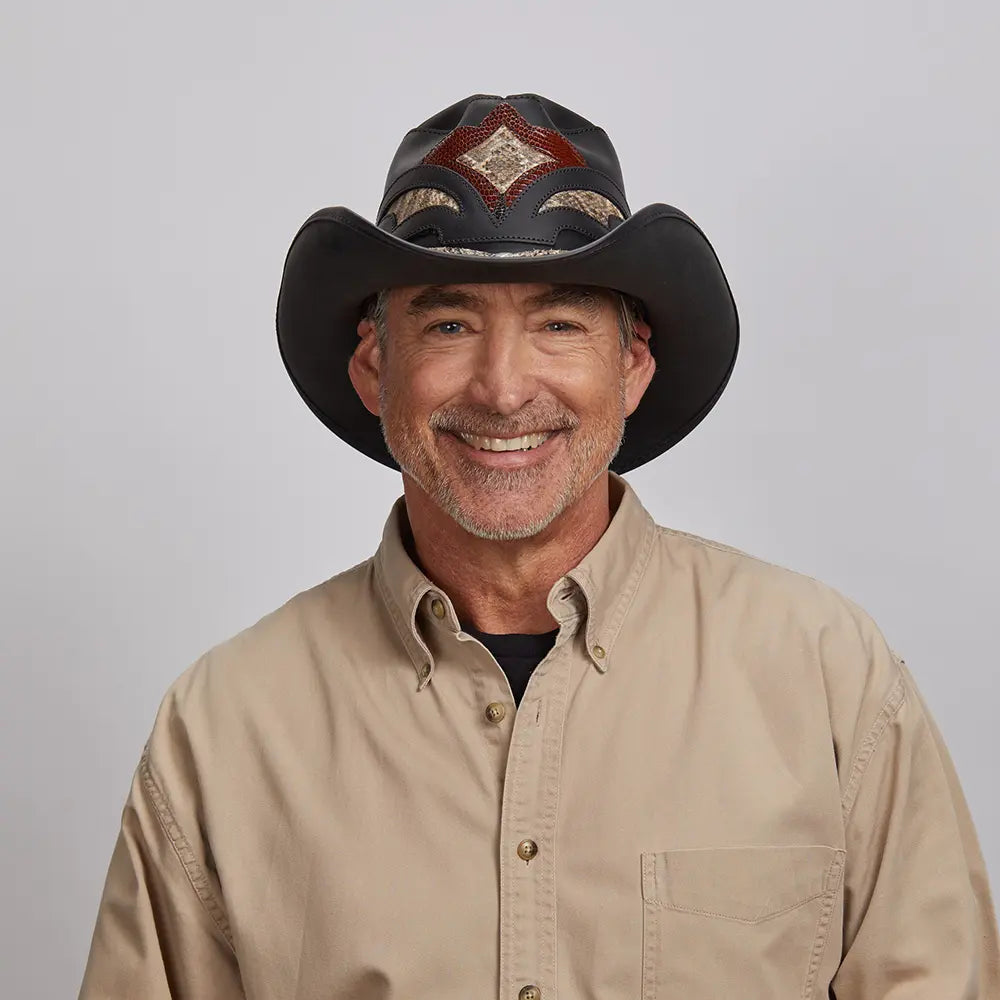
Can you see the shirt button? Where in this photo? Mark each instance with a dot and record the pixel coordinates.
(527, 849)
(529, 993)
(425, 670)
(599, 652)
(495, 712)
(437, 606)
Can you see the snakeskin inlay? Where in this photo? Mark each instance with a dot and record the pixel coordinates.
(590, 202)
(502, 158)
(416, 199)
(536, 252)
(505, 149)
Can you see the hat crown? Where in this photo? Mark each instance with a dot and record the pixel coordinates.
(504, 175)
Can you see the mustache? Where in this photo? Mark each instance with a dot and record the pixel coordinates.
(486, 425)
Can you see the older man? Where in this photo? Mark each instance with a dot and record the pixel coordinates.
(537, 745)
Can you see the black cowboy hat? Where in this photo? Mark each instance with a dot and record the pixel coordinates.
(509, 189)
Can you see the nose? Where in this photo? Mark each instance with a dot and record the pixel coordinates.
(504, 369)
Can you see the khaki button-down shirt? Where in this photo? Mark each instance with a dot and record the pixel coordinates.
(721, 782)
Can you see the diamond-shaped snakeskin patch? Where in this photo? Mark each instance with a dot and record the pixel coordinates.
(503, 155)
(502, 158)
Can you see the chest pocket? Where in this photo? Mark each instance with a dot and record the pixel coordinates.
(750, 922)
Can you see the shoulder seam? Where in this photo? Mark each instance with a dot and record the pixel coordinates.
(732, 550)
(893, 702)
(182, 849)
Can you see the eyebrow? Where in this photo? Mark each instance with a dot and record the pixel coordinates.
(439, 297)
(566, 296)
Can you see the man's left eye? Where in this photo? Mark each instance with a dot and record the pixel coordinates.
(561, 323)
(456, 326)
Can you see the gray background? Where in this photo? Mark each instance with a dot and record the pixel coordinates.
(165, 487)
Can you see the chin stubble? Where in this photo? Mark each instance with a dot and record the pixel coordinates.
(440, 490)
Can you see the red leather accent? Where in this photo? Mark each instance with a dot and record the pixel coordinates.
(466, 137)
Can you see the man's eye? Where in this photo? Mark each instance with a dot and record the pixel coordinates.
(564, 324)
(454, 326)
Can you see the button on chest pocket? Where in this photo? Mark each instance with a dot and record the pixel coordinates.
(748, 922)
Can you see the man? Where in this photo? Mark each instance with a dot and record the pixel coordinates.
(537, 746)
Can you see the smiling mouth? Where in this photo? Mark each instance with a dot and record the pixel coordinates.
(524, 443)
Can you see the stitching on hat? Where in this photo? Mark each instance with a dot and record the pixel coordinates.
(554, 194)
(428, 228)
(672, 214)
(538, 101)
(385, 215)
(402, 208)
(583, 252)
(537, 210)
(583, 181)
(531, 97)
(577, 229)
(515, 238)
(460, 197)
(495, 239)
(445, 184)
(569, 225)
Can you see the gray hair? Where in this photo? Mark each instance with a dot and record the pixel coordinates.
(629, 309)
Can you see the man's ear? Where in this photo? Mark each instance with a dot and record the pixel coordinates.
(364, 365)
(640, 365)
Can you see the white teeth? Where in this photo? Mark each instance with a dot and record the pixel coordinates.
(506, 444)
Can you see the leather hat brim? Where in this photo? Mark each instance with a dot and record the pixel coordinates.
(338, 259)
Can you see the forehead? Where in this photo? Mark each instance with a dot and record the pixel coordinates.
(417, 299)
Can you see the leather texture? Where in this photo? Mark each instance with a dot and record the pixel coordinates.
(501, 159)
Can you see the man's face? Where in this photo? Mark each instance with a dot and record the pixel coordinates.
(465, 365)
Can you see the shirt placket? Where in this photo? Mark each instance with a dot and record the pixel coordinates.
(527, 834)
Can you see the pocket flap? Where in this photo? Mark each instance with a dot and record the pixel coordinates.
(740, 883)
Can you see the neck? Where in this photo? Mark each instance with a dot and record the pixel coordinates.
(502, 586)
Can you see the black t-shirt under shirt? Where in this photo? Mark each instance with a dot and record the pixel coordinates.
(517, 653)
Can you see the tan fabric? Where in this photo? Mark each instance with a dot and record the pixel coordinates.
(732, 787)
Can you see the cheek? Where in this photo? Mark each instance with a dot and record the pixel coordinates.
(419, 390)
(590, 391)
(435, 381)
(583, 370)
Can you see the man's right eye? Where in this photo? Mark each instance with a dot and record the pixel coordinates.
(454, 325)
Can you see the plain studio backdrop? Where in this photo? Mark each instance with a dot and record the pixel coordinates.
(164, 486)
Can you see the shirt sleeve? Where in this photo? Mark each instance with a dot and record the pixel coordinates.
(919, 921)
(161, 934)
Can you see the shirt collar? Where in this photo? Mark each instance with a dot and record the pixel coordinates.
(598, 589)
